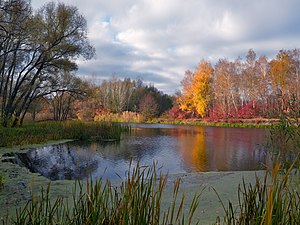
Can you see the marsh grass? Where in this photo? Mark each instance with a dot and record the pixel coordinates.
(136, 201)
(35, 133)
(273, 199)
(124, 117)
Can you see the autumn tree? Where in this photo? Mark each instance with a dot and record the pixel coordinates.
(197, 89)
(263, 84)
(185, 98)
(251, 78)
(148, 106)
(225, 87)
(281, 77)
(35, 48)
(295, 71)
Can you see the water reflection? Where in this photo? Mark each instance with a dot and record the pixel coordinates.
(177, 149)
(57, 162)
(192, 146)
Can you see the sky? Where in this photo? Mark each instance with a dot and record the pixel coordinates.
(158, 40)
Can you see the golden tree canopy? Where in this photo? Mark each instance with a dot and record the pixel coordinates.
(196, 89)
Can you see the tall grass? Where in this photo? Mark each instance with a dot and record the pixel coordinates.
(136, 201)
(275, 199)
(35, 133)
(124, 117)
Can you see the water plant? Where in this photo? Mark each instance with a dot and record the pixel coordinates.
(34, 133)
(124, 117)
(136, 201)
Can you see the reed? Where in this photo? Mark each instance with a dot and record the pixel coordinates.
(136, 201)
(275, 199)
(40, 132)
(124, 117)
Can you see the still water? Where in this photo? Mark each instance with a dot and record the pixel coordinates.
(175, 149)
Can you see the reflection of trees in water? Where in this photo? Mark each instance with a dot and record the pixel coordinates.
(223, 149)
(193, 147)
(57, 162)
(182, 148)
(235, 148)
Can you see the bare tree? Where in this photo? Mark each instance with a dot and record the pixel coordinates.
(148, 106)
(62, 100)
(115, 94)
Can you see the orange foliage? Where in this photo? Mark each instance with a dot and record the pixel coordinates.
(197, 89)
(280, 69)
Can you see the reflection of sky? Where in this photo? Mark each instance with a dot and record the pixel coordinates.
(176, 149)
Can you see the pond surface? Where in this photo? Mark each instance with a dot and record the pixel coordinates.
(176, 149)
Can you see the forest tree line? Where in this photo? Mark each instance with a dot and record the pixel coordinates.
(254, 87)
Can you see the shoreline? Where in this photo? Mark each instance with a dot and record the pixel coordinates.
(235, 123)
(20, 183)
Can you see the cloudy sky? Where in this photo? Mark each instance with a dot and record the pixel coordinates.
(157, 40)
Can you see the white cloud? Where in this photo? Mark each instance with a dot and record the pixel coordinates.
(157, 40)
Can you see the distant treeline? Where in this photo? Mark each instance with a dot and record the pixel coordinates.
(240, 88)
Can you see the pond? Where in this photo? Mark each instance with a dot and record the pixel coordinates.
(175, 149)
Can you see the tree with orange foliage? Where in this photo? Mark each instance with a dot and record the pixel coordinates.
(197, 89)
(281, 74)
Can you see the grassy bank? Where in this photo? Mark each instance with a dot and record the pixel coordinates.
(132, 117)
(41, 132)
(210, 124)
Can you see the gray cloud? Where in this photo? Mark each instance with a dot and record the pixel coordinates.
(158, 40)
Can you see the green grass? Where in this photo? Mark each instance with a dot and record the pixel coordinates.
(35, 133)
(136, 201)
